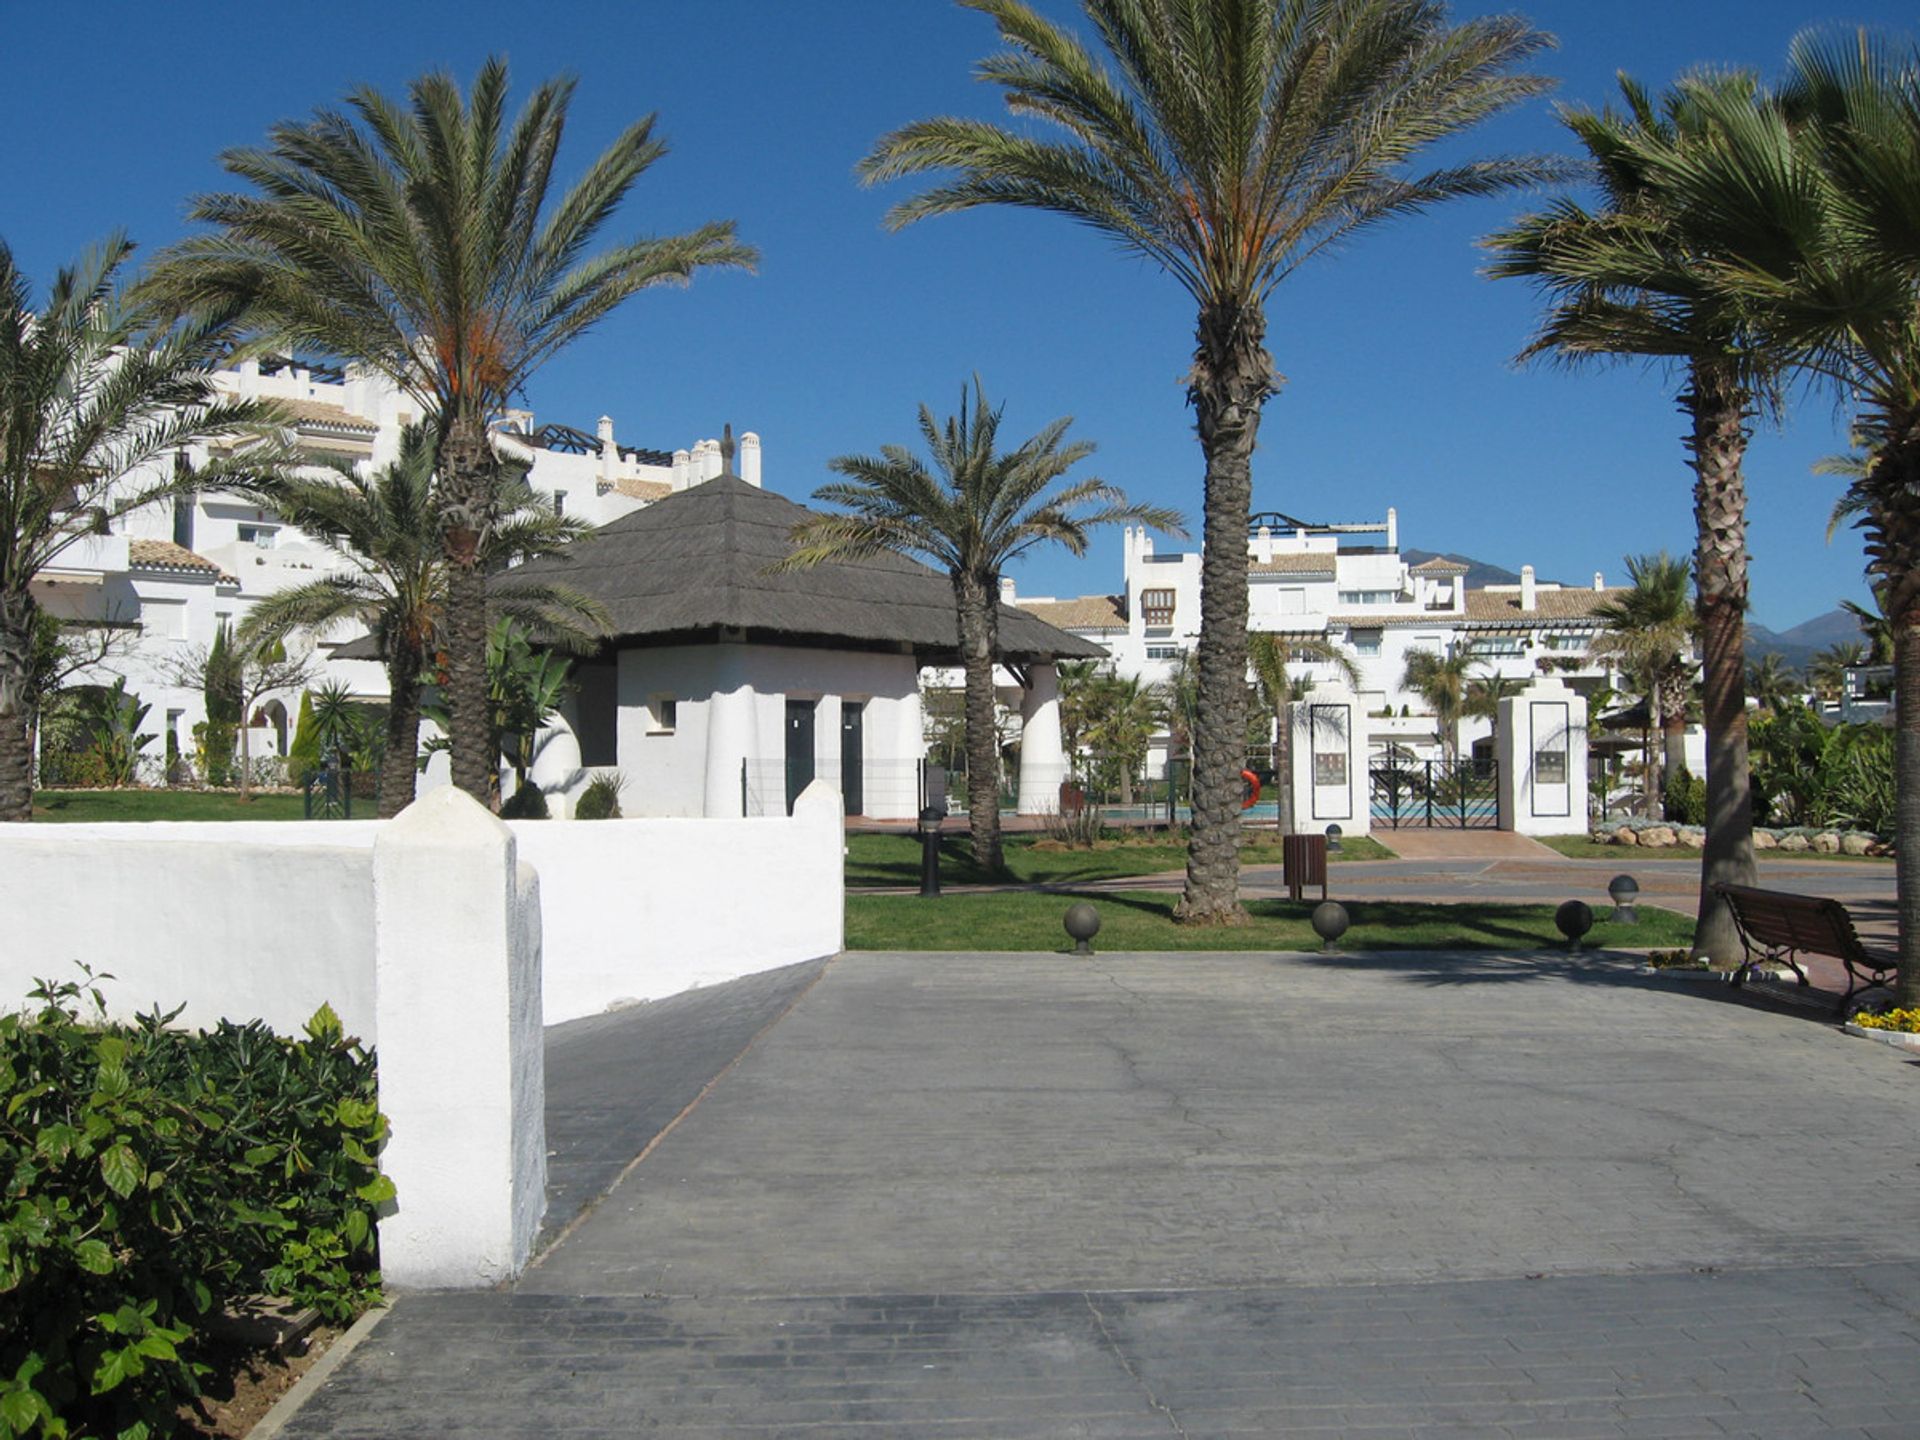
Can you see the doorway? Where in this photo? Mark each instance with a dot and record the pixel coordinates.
(853, 790)
(800, 715)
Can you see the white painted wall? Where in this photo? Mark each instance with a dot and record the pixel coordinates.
(1330, 723)
(1542, 737)
(249, 920)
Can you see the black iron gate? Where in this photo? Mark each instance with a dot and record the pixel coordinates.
(1436, 794)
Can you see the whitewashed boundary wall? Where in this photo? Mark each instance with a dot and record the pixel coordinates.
(248, 927)
(268, 919)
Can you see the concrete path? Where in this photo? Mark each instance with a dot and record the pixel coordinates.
(1207, 1195)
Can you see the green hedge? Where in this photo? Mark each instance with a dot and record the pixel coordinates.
(149, 1176)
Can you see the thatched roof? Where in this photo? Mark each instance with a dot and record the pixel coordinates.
(696, 562)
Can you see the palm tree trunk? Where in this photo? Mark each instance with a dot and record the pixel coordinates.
(399, 766)
(1719, 443)
(17, 614)
(975, 598)
(1232, 377)
(466, 469)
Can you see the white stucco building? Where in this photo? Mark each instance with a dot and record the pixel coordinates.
(1349, 585)
(169, 574)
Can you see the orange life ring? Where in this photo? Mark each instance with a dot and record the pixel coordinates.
(1253, 789)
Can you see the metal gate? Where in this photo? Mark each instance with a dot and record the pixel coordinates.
(1436, 794)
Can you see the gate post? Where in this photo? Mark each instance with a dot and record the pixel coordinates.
(1541, 741)
(1328, 735)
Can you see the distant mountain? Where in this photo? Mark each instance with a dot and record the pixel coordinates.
(1799, 644)
(1478, 571)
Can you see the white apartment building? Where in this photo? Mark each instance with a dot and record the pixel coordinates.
(168, 575)
(1347, 584)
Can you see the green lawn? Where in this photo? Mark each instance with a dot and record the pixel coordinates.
(875, 860)
(1143, 920)
(76, 806)
(1579, 847)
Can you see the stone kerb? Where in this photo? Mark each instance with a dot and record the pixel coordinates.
(458, 995)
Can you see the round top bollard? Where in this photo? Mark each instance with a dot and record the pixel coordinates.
(1624, 889)
(1574, 919)
(1334, 832)
(1330, 922)
(931, 817)
(1082, 923)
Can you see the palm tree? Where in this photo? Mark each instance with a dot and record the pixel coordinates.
(1130, 713)
(1633, 281)
(1828, 670)
(93, 411)
(1649, 636)
(418, 241)
(1773, 684)
(1814, 202)
(1877, 628)
(386, 529)
(976, 510)
(1228, 142)
(1441, 681)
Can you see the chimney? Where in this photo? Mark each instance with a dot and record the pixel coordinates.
(609, 452)
(750, 458)
(1006, 589)
(1393, 528)
(1527, 596)
(682, 469)
(1599, 581)
(1264, 546)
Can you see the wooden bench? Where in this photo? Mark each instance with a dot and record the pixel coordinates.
(1774, 926)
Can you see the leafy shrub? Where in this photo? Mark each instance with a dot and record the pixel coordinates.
(601, 798)
(529, 802)
(1077, 829)
(1685, 798)
(148, 1176)
(303, 755)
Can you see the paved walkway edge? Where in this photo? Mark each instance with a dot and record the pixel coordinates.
(308, 1385)
(550, 1243)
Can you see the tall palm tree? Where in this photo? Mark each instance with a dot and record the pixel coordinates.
(1649, 636)
(1442, 681)
(1877, 628)
(978, 508)
(93, 410)
(1228, 142)
(1633, 280)
(418, 240)
(1130, 713)
(1814, 202)
(386, 528)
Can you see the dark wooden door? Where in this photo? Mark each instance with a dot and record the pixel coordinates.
(800, 715)
(853, 793)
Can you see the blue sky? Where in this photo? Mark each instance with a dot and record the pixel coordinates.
(1400, 384)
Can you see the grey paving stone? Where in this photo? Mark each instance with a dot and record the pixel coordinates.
(964, 1196)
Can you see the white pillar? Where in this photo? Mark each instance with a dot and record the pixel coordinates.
(680, 476)
(1328, 735)
(609, 452)
(729, 740)
(1541, 742)
(1043, 760)
(462, 1077)
(750, 458)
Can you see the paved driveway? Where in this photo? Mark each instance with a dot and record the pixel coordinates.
(1196, 1195)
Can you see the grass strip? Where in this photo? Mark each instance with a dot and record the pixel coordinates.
(874, 860)
(103, 806)
(1143, 920)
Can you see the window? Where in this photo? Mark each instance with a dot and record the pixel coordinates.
(1497, 645)
(1293, 601)
(1368, 597)
(1157, 606)
(663, 715)
(1565, 642)
(183, 521)
(1163, 652)
(1366, 642)
(596, 686)
(164, 619)
(559, 502)
(259, 536)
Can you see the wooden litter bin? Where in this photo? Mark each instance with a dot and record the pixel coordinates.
(1303, 859)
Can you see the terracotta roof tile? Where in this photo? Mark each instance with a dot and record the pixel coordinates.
(642, 489)
(1492, 606)
(165, 555)
(1083, 612)
(1440, 565)
(319, 412)
(1293, 564)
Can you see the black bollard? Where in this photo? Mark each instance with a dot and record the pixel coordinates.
(930, 819)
